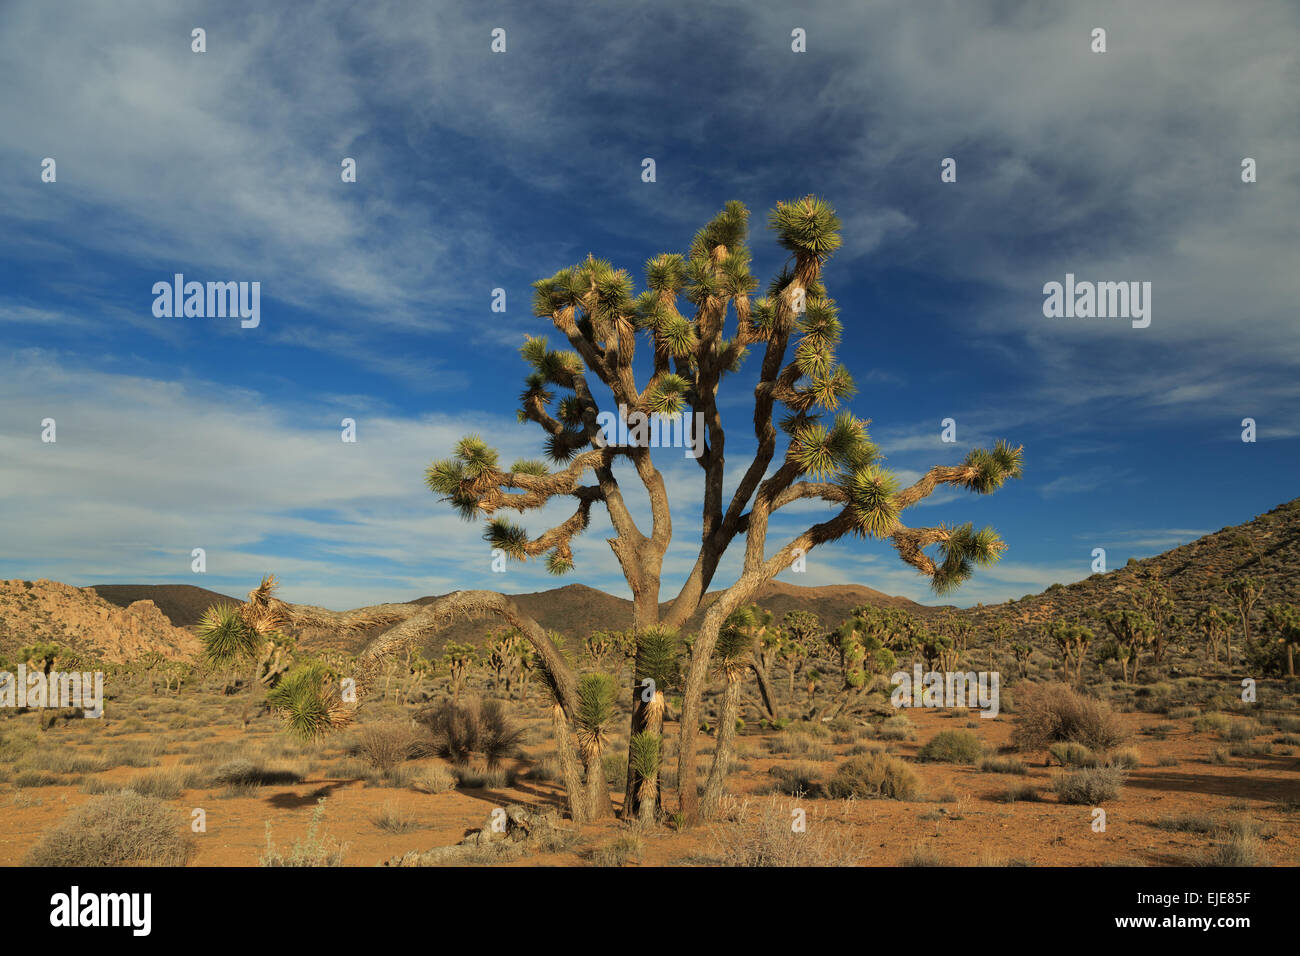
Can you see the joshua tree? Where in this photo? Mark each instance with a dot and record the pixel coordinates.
(1154, 601)
(1284, 621)
(1244, 591)
(863, 657)
(1073, 640)
(594, 712)
(458, 658)
(799, 455)
(1022, 652)
(1133, 631)
(1216, 625)
(40, 656)
(503, 658)
(731, 656)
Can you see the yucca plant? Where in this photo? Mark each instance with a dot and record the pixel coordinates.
(308, 701)
(594, 712)
(656, 670)
(643, 759)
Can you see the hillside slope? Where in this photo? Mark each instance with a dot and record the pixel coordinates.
(43, 611)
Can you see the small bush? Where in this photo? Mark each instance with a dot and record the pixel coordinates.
(393, 819)
(766, 838)
(473, 727)
(1090, 787)
(434, 779)
(1073, 755)
(121, 829)
(386, 744)
(1003, 765)
(1212, 724)
(952, 746)
(1056, 712)
(314, 849)
(618, 852)
(1021, 793)
(873, 776)
(801, 778)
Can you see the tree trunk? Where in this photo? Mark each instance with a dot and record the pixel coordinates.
(599, 805)
(764, 687)
(570, 769)
(724, 747)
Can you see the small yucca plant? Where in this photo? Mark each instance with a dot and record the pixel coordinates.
(227, 638)
(309, 702)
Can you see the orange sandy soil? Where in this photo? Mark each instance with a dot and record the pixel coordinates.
(974, 827)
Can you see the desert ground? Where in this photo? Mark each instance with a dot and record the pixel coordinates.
(1207, 779)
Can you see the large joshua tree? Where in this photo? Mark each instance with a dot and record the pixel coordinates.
(699, 319)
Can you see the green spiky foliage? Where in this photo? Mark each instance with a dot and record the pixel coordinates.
(595, 711)
(643, 755)
(40, 656)
(308, 702)
(227, 639)
(658, 657)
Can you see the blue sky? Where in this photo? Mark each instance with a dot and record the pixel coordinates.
(479, 171)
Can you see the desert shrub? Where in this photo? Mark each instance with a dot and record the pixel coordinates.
(434, 779)
(1187, 823)
(1070, 754)
(163, 784)
(1182, 713)
(763, 836)
(37, 778)
(952, 746)
(472, 727)
(1212, 723)
(1021, 793)
(478, 778)
(392, 818)
(896, 728)
(800, 778)
(1091, 786)
(385, 744)
(1056, 712)
(1003, 765)
(545, 769)
(1239, 730)
(1126, 759)
(314, 849)
(922, 855)
(1240, 847)
(800, 744)
(873, 775)
(615, 767)
(120, 829)
(618, 852)
(1219, 755)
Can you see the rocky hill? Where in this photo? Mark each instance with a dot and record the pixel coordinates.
(1267, 548)
(182, 604)
(80, 620)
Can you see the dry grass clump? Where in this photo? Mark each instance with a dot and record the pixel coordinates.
(461, 730)
(1052, 713)
(314, 849)
(120, 829)
(767, 836)
(1091, 786)
(434, 779)
(873, 776)
(385, 744)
